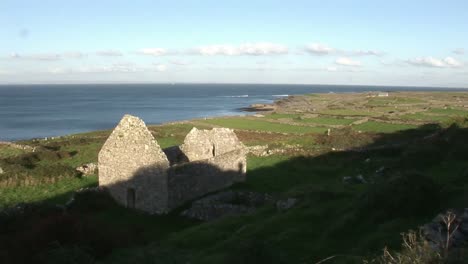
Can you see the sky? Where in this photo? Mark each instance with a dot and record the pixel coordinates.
(408, 43)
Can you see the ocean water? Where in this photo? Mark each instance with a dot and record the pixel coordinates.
(36, 111)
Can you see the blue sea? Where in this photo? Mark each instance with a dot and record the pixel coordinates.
(37, 111)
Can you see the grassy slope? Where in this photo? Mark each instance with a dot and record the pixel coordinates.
(331, 218)
(260, 125)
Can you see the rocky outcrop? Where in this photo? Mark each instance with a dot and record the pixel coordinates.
(18, 146)
(226, 203)
(259, 108)
(87, 169)
(436, 231)
(286, 204)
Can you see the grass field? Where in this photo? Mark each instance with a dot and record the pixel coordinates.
(393, 101)
(421, 177)
(260, 125)
(58, 192)
(380, 127)
(7, 151)
(425, 117)
(449, 111)
(349, 112)
(328, 121)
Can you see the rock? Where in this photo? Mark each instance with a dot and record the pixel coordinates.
(359, 179)
(1, 170)
(87, 169)
(258, 108)
(381, 171)
(286, 204)
(435, 232)
(258, 150)
(226, 203)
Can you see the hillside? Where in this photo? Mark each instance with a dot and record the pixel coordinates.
(409, 147)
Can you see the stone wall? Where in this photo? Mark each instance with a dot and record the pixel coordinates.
(131, 163)
(205, 144)
(194, 179)
(137, 173)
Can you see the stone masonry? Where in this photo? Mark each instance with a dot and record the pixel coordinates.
(137, 172)
(133, 167)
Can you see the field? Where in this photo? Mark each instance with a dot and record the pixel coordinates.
(410, 147)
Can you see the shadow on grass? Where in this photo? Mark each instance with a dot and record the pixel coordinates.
(412, 175)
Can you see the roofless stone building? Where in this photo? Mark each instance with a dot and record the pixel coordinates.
(139, 174)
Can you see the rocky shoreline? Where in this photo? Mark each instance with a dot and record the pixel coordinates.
(259, 108)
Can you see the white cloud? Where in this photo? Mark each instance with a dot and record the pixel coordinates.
(48, 56)
(347, 62)
(459, 51)
(451, 62)
(109, 53)
(255, 49)
(319, 49)
(160, 67)
(38, 56)
(368, 53)
(73, 55)
(58, 70)
(447, 62)
(116, 67)
(179, 63)
(322, 49)
(331, 69)
(3, 72)
(153, 51)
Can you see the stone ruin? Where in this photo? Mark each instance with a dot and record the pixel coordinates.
(139, 174)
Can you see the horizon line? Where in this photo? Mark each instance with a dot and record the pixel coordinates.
(227, 83)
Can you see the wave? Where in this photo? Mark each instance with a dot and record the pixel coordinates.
(280, 95)
(235, 96)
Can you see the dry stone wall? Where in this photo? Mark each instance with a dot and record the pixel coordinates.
(205, 144)
(133, 167)
(137, 172)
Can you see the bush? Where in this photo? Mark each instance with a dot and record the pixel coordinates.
(415, 250)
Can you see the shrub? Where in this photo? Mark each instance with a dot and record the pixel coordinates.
(415, 250)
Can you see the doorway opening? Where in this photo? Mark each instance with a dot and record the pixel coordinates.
(131, 198)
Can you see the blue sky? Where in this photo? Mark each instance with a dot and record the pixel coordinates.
(423, 43)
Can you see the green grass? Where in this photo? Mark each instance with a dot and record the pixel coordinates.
(331, 218)
(393, 101)
(424, 117)
(55, 193)
(280, 116)
(6, 152)
(349, 112)
(328, 121)
(260, 125)
(449, 111)
(173, 134)
(380, 127)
